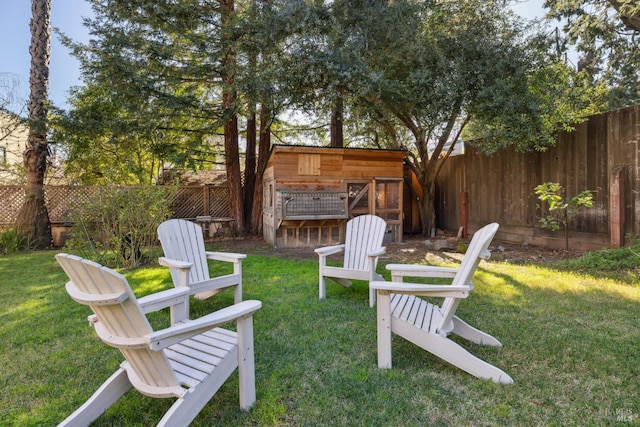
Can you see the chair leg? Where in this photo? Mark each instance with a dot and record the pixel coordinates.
(322, 287)
(322, 283)
(186, 408)
(108, 394)
(466, 331)
(246, 363)
(384, 329)
(372, 293)
(453, 353)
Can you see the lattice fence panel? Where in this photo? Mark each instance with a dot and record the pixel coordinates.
(11, 200)
(63, 201)
(186, 202)
(219, 202)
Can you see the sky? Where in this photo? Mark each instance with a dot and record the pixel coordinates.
(15, 38)
(67, 15)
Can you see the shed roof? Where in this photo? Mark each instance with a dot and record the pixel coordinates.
(333, 150)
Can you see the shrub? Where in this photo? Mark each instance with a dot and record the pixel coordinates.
(11, 241)
(623, 262)
(560, 210)
(118, 226)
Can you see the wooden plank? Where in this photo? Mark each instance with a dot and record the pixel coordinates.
(616, 206)
(309, 164)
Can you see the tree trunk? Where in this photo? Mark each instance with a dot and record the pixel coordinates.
(263, 155)
(629, 13)
(337, 135)
(250, 168)
(427, 208)
(231, 149)
(232, 165)
(33, 218)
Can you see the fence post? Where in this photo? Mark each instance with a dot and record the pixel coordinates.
(205, 202)
(464, 214)
(616, 206)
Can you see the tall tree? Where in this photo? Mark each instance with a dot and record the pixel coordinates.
(156, 69)
(436, 70)
(263, 46)
(229, 99)
(605, 35)
(320, 60)
(108, 139)
(33, 218)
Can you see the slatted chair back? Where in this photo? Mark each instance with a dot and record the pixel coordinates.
(478, 249)
(364, 234)
(120, 322)
(183, 240)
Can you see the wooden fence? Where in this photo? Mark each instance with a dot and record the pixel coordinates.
(602, 155)
(185, 202)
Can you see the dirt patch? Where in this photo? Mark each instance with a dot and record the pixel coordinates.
(414, 249)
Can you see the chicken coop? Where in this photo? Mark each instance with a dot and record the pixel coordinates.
(311, 192)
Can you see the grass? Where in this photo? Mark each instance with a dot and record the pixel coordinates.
(571, 343)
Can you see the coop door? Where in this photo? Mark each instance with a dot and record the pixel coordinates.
(382, 197)
(388, 206)
(358, 198)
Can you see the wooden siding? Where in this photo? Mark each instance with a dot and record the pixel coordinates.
(336, 164)
(501, 188)
(302, 168)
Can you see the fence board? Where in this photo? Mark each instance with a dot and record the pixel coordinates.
(500, 188)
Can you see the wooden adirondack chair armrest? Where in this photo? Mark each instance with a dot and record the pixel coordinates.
(174, 263)
(377, 252)
(115, 341)
(419, 289)
(225, 256)
(94, 299)
(329, 250)
(416, 270)
(163, 299)
(220, 282)
(166, 337)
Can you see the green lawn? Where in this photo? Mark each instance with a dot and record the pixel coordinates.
(571, 344)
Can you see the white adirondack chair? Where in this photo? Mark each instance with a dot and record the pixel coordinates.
(185, 255)
(188, 361)
(362, 247)
(403, 312)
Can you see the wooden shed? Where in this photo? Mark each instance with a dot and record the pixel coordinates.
(311, 192)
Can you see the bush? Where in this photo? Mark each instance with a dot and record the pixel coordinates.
(623, 261)
(11, 241)
(560, 210)
(118, 226)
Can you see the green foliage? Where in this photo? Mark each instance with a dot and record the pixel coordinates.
(604, 33)
(316, 360)
(151, 94)
(11, 241)
(560, 210)
(623, 263)
(118, 226)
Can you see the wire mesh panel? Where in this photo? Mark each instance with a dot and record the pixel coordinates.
(303, 205)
